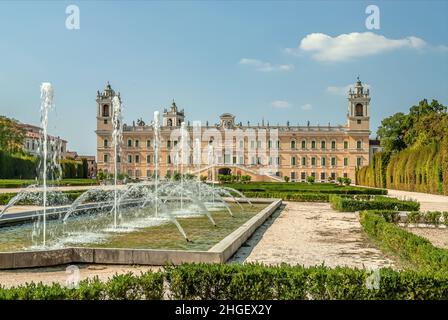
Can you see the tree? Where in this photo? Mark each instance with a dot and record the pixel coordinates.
(11, 135)
(85, 168)
(310, 179)
(391, 133)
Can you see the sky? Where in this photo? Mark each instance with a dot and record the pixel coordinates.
(281, 61)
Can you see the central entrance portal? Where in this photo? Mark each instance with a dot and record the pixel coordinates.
(225, 171)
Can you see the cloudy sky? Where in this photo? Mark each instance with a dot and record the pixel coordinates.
(281, 61)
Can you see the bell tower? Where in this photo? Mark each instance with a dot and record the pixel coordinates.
(173, 117)
(104, 108)
(358, 107)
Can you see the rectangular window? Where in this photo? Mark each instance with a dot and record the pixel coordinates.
(118, 158)
(106, 142)
(322, 176)
(293, 161)
(358, 144)
(148, 159)
(148, 173)
(303, 161)
(106, 158)
(345, 162)
(313, 144)
(148, 143)
(333, 176)
(323, 161)
(359, 161)
(129, 158)
(313, 161)
(303, 144)
(303, 176)
(168, 144)
(129, 143)
(333, 145)
(241, 160)
(137, 158)
(313, 174)
(278, 144)
(345, 145)
(130, 173)
(345, 175)
(333, 161)
(293, 176)
(137, 173)
(253, 160)
(168, 159)
(137, 143)
(323, 145)
(105, 121)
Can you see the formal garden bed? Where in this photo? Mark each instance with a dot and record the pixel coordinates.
(347, 204)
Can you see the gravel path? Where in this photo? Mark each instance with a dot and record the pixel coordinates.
(311, 234)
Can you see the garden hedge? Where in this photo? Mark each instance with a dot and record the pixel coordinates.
(348, 204)
(421, 169)
(412, 249)
(248, 282)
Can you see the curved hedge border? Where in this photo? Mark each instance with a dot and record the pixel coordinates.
(413, 249)
(248, 282)
(379, 203)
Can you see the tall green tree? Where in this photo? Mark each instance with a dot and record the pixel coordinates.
(11, 135)
(391, 133)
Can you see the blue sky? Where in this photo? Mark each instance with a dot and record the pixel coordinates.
(253, 59)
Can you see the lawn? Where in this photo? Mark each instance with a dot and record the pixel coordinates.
(18, 183)
(300, 187)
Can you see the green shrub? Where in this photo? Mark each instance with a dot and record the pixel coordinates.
(289, 196)
(377, 203)
(247, 282)
(310, 179)
(415, 250)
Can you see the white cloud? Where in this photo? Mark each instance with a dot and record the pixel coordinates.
(265, 66)
(280, 104)
(343, 90)
(352, 45)
(306, 107)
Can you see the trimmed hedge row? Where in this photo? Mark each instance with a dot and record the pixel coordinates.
(413, 249)
(147, 286)
(428, 217)
(247, 282)
(422, 169)
(289, 196)
(17, 167)
(347, 204)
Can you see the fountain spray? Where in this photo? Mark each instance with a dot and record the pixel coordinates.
(156, 155)
(46, 97)
(117, 135)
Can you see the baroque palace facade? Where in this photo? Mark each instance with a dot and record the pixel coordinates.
(265, 152)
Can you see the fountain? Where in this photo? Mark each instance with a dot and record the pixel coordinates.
(117, 136)
(104, 213)
(46, 96)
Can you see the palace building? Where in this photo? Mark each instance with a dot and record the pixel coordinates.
(265, 152)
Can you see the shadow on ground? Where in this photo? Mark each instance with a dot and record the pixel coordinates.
(245, 250)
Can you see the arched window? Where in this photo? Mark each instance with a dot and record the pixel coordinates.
(105, 110)
(313, 144)
(359, 144)
(106, 143)
(293, 144)
(293, 161)
(323, 144)
(303, 144)
(170, 122)
(359, 110)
